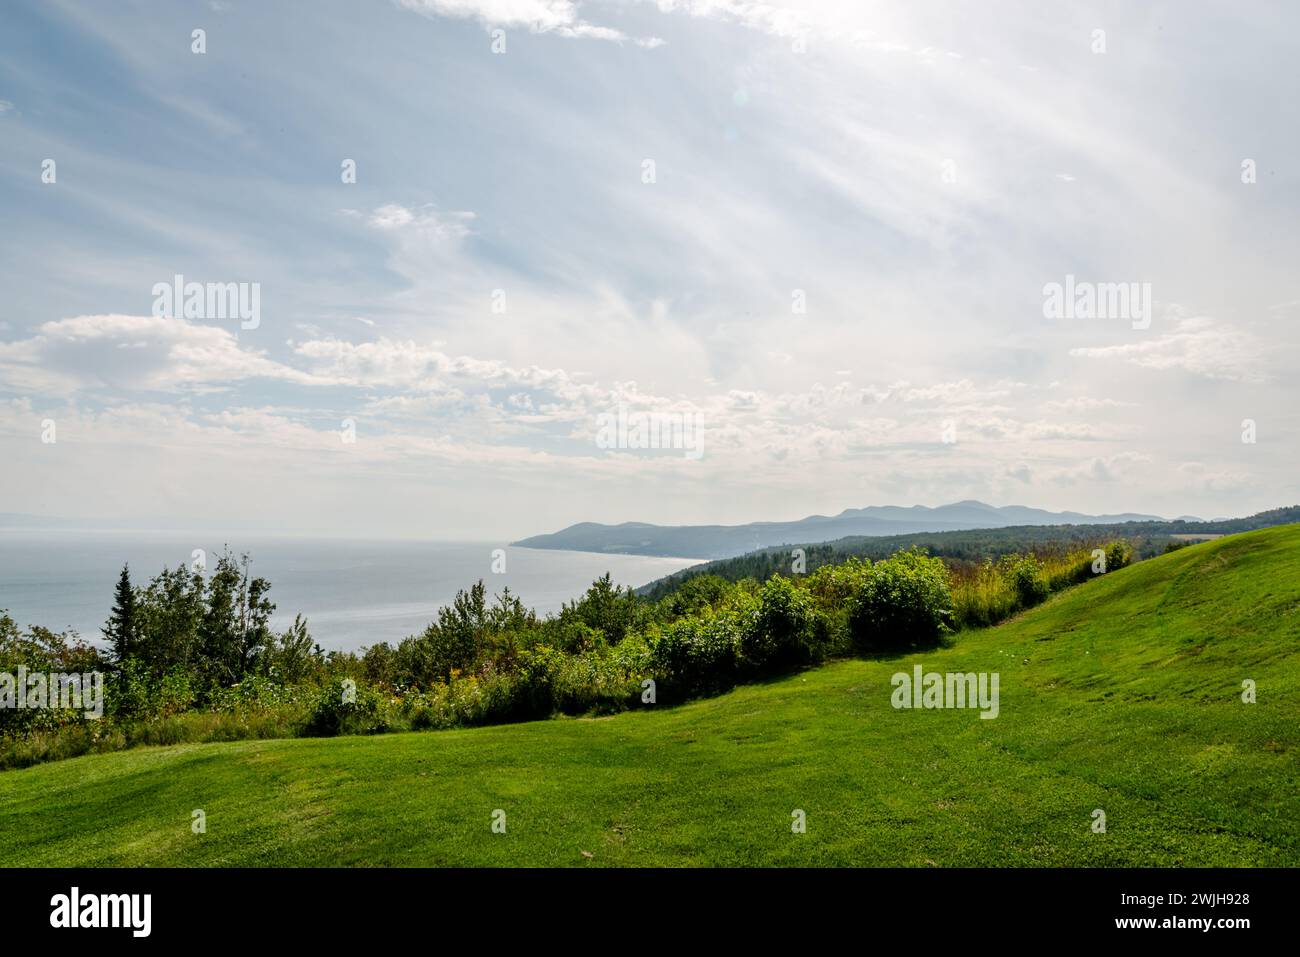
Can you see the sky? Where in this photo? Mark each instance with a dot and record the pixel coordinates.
(823, 233)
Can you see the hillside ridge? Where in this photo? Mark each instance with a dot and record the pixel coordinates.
(1156, 652)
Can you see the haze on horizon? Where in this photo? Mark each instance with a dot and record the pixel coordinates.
(835, 264)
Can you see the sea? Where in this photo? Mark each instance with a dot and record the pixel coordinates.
(352, 593)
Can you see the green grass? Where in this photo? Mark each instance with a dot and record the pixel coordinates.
(1121, 694)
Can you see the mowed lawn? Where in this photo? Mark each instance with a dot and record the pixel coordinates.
(1122, 694)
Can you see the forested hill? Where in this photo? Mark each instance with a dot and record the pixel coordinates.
(725, 541)
(1148, 538)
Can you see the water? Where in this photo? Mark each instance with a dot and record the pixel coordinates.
(353, 593)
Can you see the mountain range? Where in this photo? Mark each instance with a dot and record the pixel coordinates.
(723, 541)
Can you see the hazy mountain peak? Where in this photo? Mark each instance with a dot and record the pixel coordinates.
(722, 541)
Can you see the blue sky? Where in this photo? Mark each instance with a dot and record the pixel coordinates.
(915, 172)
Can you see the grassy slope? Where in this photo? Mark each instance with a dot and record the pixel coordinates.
(1122, 694)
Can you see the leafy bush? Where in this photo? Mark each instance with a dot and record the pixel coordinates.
(346, 707)
(257, 693)
(1118, 555)
(42, 653)
(614, 611)
(697, 654)
(462, 700)
(451, 643)
(597, 682)
(701, 593)
(292, 657)
(568, 634)
(134, 692)
(904, 601)
(783, 630)
(832, 588)
(533, 684)
(633, 657)
(836, 584)
(1025, 577)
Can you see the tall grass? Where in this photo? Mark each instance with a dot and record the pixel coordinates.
(989, 592)
(194, 727)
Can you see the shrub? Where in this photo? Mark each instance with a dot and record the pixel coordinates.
(292, 656)
(904, 601)
(783, 630)
(1025, 577)
(534, 681)
(569, 635)
(613, 611)
(345, 707)
(832, 588)
(701, 593)
(1118, 554)
(461, 700)
(437, 652)
(41, 652)
(633, 657)
(379, 662)
(131, 691)
(697, 654)
(596, 682)
(452, 642)
(256, 693)
(835, 585)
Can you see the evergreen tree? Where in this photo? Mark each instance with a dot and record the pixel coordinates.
(123, 625)
(234, 630)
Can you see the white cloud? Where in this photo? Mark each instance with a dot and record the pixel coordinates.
(824, 176)
(1202, 477)
(1198, 345)
(1085, 403)
(133, 353)
(424, 218)
(539, 16)
(1102, 469)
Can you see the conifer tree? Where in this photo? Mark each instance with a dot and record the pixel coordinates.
(122, 626)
